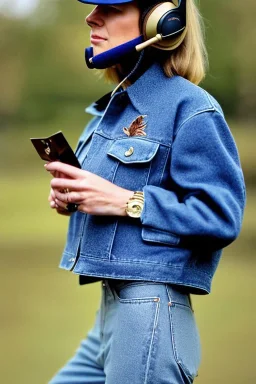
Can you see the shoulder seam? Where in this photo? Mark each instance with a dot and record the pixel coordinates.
(213, 109)
(208, 97)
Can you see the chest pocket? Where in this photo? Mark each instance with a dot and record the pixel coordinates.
(134, 157)
(132, 151)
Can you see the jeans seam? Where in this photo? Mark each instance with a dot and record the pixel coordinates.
(175, 352)
(151, 341)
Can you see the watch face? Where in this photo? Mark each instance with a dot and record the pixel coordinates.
(134, 209)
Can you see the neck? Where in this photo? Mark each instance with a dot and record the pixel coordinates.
(125, 67)
(150, 55)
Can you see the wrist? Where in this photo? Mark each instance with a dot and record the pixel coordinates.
(123, 198)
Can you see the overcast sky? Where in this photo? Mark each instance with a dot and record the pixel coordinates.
(18, 8)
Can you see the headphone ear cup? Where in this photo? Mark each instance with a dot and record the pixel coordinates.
(152, 17)
(164, 19)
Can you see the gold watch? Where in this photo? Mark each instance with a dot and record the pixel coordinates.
(134, 205)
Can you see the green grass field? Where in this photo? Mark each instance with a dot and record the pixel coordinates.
(45, 313)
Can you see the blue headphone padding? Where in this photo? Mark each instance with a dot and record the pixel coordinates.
(112, 56)
(88, 55)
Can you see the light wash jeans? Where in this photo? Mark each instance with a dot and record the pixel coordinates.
(145, 333)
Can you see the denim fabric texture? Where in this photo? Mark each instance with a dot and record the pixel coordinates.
(145, 333)
(188, 167)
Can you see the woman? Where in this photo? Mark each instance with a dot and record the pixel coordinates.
(160, 193)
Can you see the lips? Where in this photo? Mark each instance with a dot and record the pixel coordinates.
(97, 39)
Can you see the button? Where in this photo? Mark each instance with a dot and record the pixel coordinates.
(129, 152)
(72, 260)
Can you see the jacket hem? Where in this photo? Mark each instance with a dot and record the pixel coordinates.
(186, 277)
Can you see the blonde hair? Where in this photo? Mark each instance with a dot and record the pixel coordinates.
(189, 60)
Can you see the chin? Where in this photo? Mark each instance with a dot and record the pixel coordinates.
(97, 49)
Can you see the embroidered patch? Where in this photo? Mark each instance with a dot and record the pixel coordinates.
(137, 127)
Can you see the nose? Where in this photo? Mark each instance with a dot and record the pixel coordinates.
(94, 18)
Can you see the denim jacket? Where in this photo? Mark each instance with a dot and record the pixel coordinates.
(188, 167)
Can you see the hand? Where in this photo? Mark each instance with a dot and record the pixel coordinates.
(52, 198)
(92, 193)
(53, 205)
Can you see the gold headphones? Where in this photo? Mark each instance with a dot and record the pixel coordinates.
(164, 26)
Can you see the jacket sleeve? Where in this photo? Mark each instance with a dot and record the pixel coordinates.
(205, 201)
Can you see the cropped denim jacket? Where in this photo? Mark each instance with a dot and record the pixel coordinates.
(188, 167)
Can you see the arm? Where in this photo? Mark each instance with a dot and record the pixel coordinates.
(207, 196)
(92, 193)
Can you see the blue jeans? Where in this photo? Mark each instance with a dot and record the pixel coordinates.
(145, 333)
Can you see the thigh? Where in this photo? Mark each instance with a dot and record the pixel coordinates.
(154, 338)
(84, 367)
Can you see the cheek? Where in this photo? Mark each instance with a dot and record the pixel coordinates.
(132, 27)
(124, 32)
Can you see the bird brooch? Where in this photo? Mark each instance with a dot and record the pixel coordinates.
(137, 127)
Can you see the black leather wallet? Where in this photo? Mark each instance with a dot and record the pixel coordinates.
(55, 148)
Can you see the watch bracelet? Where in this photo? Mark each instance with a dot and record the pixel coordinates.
(137, 195)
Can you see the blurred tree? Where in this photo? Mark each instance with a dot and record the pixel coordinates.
(221, 37)
(42, 67)
(230, 31)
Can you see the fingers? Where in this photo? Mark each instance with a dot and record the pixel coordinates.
(51, 196)
(56, 204)
(68, 197)
(63, 212)
(51, 199)
(62, 184)
(69, 170)
(53, 204)
(59, 206)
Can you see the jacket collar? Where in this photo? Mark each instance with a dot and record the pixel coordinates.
(143, 91)
(98, 107)
(140, 93)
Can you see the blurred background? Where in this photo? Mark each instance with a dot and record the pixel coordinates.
(45, 87)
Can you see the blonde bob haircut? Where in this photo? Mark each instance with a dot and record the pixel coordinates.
(189, 60)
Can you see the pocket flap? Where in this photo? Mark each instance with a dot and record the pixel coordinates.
(156, 236)
(131, 151)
